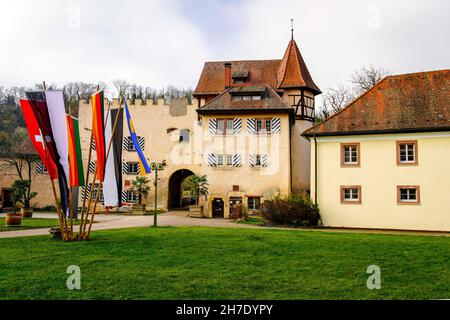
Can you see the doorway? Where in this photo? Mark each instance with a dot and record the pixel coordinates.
(233, 201)
(178, 200)
(217, 208)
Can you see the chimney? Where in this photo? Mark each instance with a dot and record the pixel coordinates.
(227, 75)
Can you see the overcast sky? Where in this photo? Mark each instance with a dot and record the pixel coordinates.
(161, 42)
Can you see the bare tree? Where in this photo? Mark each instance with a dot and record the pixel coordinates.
(367, 77)
(121, 87)
(334, 99)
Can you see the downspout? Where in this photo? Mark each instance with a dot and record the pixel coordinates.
(290, 153)
(315, 169)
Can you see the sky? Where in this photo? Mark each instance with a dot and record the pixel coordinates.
(157, 43)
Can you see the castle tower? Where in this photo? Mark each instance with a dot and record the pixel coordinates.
(298, 89)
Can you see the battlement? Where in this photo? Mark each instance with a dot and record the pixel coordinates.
(149, 102)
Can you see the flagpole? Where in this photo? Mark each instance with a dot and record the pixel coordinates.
(80, 233)
(106, 159)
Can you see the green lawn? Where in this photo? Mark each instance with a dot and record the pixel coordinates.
(226, 263)
(31, 223)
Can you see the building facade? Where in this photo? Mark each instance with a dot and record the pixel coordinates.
(242, 130)
(383, 161)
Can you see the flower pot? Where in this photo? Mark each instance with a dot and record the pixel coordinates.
(13, 219)
(26, 212)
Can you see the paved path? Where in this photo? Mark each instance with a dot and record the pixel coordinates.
(181, 218)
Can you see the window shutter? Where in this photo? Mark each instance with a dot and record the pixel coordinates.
(237, 125)
(212, 160)
(264, 160)
(125, 167)
(85, 191)
(141, 141)
(138, 169)
(251, 125)
(39, 167)
(251, 160)
(276, 125)
(212, 127)
(92, 166)
(236, 160)
(124, 196)
(126, 143)
(92, 144)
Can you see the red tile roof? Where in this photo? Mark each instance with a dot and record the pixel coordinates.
(414, 102)
(292, 72)
(224, 103)
(212, 79)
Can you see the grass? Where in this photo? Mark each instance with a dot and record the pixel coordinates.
(31, 223)
(252, 220)
(226, 263)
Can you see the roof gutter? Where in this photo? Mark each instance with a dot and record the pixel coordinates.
(369, 132)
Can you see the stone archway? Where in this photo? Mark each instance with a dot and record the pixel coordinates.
(175, 188)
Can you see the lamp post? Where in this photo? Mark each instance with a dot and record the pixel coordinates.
(156, 167)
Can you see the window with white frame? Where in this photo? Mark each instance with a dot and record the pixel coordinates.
(225, 126)
(406, 152)
(351, 194)
(263, 125)
(224, 160)
(408, 195)
(254, 203)
(350, 154)
(133, 167)
(132, 196)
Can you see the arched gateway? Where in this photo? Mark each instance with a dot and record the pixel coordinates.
(175, 188)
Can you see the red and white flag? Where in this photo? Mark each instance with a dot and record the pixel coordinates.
(37, 138)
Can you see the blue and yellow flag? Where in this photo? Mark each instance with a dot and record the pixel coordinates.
(142, 161)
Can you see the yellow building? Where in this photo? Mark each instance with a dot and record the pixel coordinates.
(384, 160)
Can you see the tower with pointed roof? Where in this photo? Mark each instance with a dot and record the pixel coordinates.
(265, 92)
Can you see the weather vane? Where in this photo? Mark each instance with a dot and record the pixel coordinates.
(292, 28)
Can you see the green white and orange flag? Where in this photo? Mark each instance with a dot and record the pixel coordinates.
(75, 160)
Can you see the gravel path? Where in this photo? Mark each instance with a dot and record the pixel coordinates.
(181, 218)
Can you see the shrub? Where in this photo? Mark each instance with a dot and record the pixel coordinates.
(292, 210)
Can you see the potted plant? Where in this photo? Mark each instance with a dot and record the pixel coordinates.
(141, 187)
(197, 187)
(21, 190)
(14, 218)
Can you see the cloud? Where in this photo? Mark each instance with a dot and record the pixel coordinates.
(156, 43)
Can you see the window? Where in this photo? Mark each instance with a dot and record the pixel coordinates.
(408, 195)
(258, 160)
(229, 160)
(220, 159)
(132, 196)
(225, 126)
(263, 125)
(224, 160)
(246, 98)
(184, 135)
(407, 152)
(351, 194)
(254, 203)
(349, 154)
(133, 167)
(94, 193)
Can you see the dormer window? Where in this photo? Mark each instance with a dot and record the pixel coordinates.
(247, 97)
(240, 77)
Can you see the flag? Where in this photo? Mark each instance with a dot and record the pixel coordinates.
(37, 138)
(142, 160)
(98, 131)
(112, 185)
(75, 160)
(38, 105)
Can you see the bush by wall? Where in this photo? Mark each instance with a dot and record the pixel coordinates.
(292, 210)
